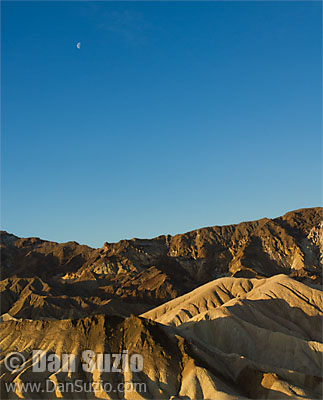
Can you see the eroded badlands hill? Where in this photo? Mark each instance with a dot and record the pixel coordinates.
(234, 338)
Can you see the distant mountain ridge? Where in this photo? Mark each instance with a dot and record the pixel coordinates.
(148, 272)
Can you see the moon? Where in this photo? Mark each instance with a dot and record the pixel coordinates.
(78, 45)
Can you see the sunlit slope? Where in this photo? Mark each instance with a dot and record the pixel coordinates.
(285, 293)
(271, 325)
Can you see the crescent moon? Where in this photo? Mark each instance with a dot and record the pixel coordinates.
(78, 45)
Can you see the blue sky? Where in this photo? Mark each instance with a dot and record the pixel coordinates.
(170, 117)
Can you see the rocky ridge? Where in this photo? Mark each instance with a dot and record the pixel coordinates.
(143, 273)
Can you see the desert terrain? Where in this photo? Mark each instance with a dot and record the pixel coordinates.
(222, 312)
